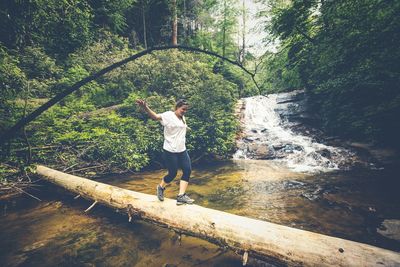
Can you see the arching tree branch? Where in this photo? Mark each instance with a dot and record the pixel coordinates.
(10, 133)
(311, 40)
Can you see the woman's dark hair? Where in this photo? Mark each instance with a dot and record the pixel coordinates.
(180, 103)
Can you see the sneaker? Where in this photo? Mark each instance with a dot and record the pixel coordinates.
(160, 192)
(184, 199)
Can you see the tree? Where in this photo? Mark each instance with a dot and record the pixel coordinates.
(346, 56)
(41, 22)
(174, 19)
(242, 53)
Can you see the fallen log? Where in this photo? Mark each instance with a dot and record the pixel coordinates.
(251, 237)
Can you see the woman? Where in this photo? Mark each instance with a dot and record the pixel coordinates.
(175, 154)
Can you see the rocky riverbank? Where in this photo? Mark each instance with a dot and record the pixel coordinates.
(279, 127)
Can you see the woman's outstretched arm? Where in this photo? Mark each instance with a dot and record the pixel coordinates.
(141, 103)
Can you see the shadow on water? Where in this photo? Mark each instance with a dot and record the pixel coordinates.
(354, 205)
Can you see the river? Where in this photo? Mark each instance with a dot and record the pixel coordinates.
(360, 204)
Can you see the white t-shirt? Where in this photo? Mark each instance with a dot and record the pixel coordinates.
(174, 132)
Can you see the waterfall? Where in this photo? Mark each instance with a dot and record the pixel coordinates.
(267, 136)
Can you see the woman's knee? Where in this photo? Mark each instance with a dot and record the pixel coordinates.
(186, 174)
(170, 176)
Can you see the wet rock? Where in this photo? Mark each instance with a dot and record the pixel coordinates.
(390, 228)
(292, 184)
(293, 96)
(290, 148)
(251, 138)
(34, 246)
(314, 195)
(241, 145)
(294, 109)
(263, 143)
(309, 196)
(298, 148)
(325, 153)
(371, 209)
(261, 151)
(278, 147)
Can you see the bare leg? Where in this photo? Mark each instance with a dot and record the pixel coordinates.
(163, 184)
(182, 187)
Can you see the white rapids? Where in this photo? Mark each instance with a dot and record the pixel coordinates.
(267, 136)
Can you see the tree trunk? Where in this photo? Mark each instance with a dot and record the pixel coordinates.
(260, 239)
(243, 52)
(144, 7)
(185, 22)
(224, 31)
(174, 23)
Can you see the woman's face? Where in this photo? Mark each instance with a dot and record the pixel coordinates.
(182, 110)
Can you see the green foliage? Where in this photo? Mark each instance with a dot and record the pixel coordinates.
(37, 64)
(226, 25)
(346, 55)
(177, 74)
(114, 142)
(120, 143)
(42, 22)
(41, 70)
(127, 139)
(12, 78)
(48, 46)
(211, 119)
(277, 75)
(111, 14)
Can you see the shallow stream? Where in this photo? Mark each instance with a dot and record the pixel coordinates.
(361, 205)
(303, 184)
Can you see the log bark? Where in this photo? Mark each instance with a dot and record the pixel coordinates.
(255, 238)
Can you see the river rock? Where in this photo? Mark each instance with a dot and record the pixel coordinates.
(272, 132)
(292, 107)
(261, 151)
(251, 138)
(278, 146)
(390, 228)
(313, 195)
(292, 184)
(293, 96)
(325, 153)
(293, 147)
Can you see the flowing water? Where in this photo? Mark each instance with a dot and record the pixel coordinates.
(359, 204)
(266, 133)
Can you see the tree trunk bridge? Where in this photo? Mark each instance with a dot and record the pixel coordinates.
(251, 237)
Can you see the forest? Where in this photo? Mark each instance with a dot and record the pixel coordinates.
(343, 53)
(90, 89)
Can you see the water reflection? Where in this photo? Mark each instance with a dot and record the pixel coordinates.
(61, 234)
(56, 231)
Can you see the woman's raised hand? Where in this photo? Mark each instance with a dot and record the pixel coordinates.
(141, 103)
